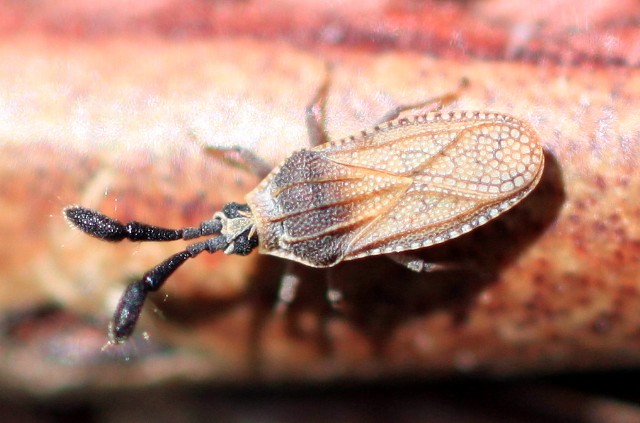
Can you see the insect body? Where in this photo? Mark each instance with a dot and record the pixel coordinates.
(406, 184)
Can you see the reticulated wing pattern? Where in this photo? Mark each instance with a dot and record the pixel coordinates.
(465, 168)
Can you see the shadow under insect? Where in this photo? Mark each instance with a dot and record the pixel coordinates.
(379, 295)
(382, 295)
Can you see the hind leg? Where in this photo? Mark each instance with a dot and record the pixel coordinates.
(417, 264)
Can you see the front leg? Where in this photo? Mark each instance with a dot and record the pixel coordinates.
(236, 156)
(241, 157)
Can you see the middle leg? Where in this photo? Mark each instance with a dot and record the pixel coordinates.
(432, 104)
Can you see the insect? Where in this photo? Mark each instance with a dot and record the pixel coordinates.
(407, 183)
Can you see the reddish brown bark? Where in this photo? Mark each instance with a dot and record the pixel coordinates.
(98, 109)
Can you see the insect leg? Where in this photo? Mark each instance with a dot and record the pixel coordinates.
(417, 264)
(335, 294)
(434, 104)
(103, 227)
(288, 288)
(130, 304)
(246, 159)
(315, 113)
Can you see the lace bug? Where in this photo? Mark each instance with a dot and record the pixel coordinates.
(406, 184)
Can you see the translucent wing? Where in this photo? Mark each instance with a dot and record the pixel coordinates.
(407, 185)
(466, 168)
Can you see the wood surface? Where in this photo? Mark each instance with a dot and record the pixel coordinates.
(108, 107)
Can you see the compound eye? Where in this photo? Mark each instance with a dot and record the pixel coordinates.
(235, 210)
(243, 245)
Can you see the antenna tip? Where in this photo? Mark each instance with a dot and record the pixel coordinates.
(95, 223)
